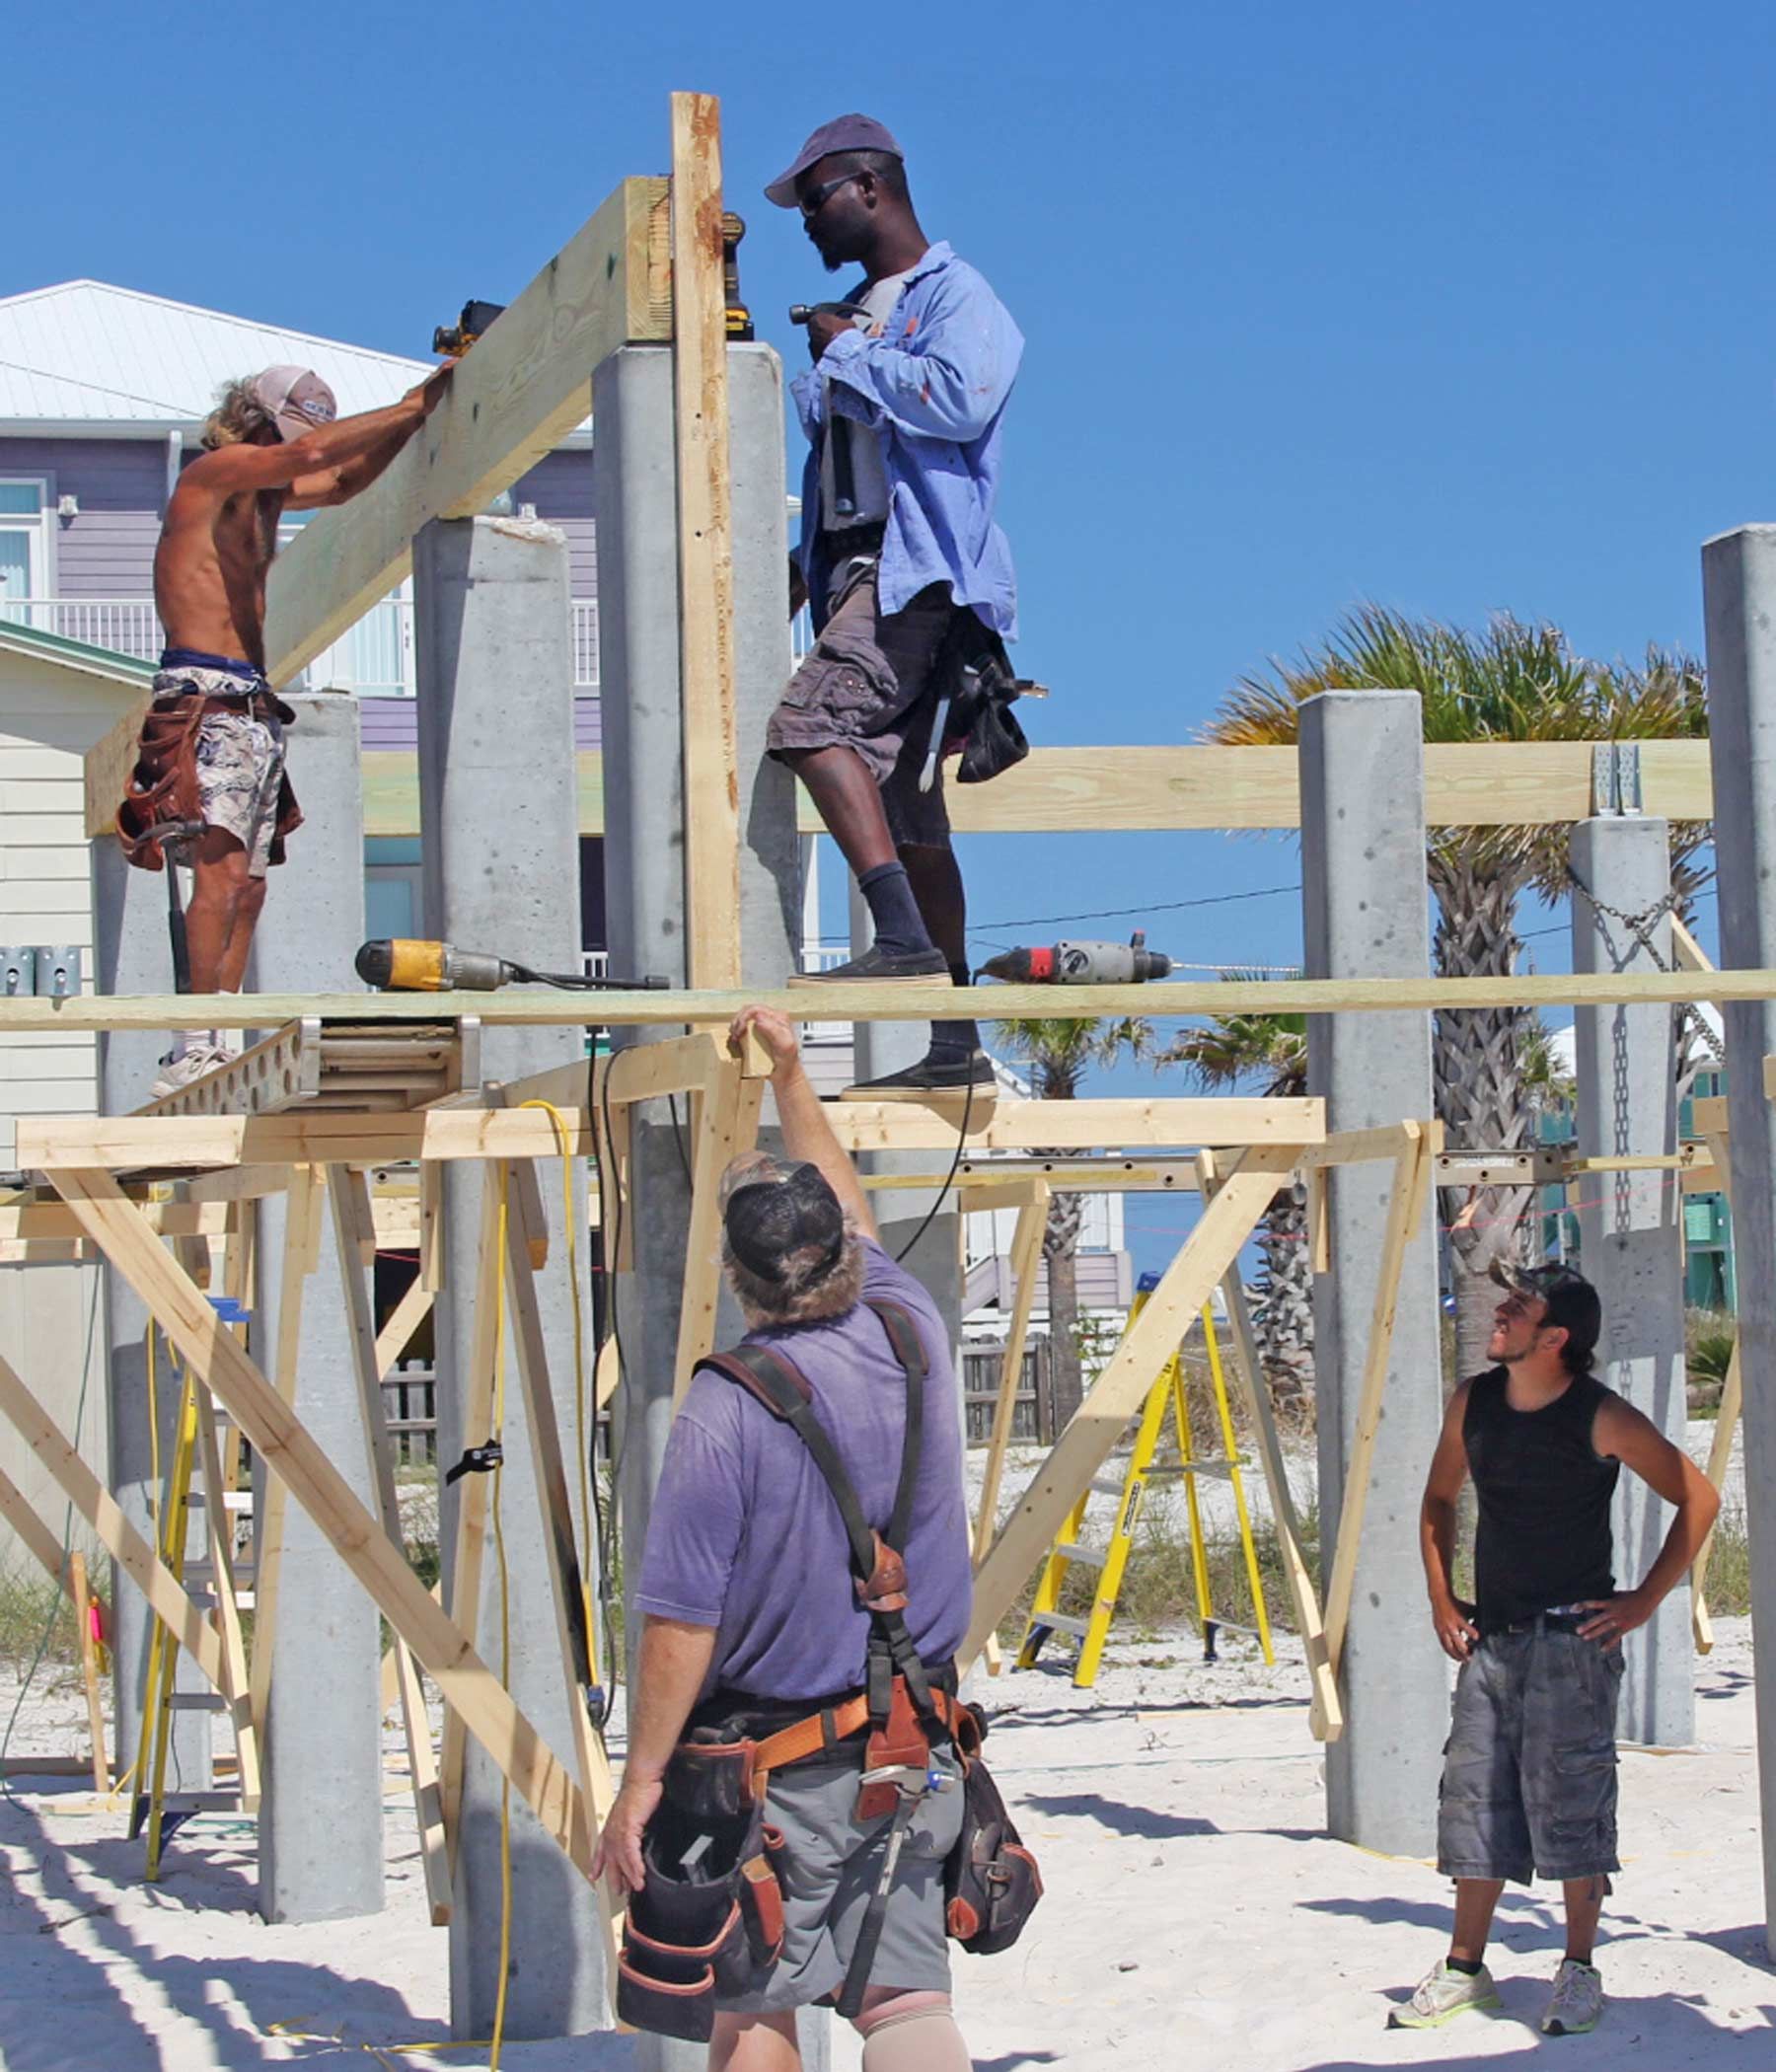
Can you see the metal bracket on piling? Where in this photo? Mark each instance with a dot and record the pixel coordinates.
(1616, 779)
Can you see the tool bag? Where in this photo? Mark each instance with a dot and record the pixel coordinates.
(977, 688)
(163, 785)
(709, 1918)
(703, 1927)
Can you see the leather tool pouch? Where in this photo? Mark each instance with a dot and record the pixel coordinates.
(991, 1883)
(977, 675)
(709, 1918)
(163, 785)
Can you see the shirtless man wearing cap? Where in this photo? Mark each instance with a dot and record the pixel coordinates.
(212, 744)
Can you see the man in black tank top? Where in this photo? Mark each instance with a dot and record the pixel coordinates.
(1529, 1772)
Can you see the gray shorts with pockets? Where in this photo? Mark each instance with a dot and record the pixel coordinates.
(1529, 1771)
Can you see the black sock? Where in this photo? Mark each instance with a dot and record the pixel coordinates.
(888, 893)
(956, 1039)
(1469, 1967)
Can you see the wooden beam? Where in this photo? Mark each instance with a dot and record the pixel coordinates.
(727, 1126)
(520, 1007)
(705, 546)
(288, 1449)
(1022, 1126)
(403, 1320)
(512, 401)
(379, 1457)
(1727, 1418)
(1325, 1710)
(95, 1505)
(85, 1608)
(1120, 1390)
(296, 1136)
(1405, 1213)
(1025, 1257)
(1102, 791)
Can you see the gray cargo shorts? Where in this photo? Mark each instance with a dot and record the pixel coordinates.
(833, 1863)
(869, 685)
(1530, 1769)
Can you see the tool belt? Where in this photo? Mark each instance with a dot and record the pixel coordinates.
(163, 786)
(718, 1930)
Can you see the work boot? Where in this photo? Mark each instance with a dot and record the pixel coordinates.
(876, 965)
(971, 1073)
(180, 1069)
(1577, 2002)
(1443, 1994)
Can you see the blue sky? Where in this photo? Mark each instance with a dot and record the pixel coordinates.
(1463, 310)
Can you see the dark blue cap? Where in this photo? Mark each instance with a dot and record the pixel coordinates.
(843, 133)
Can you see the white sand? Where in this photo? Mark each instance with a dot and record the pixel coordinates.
(1194, 1916)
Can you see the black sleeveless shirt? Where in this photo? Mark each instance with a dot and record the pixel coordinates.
(1544, 1536)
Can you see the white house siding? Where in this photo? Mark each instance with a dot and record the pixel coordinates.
(49, 716)
(107, 549)
(50, 1329)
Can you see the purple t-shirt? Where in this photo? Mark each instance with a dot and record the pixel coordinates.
(744, 1533)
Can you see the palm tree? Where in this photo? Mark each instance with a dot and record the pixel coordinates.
(1513, 682)
(1268, 1054)
(1059, 1055)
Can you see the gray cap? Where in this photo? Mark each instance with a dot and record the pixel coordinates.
(842, 133)
(295, 398)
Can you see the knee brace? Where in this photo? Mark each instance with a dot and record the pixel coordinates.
(912, 2032)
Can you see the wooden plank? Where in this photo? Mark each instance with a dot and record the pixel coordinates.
(463, 1599)
(379, 1454)
(1357, 1146)
(1021, 1126)
(1101, 790)
(1727, 1418)
(403, 1320)
(644, 1071)
(219, 1532)
(22, 1515)
(85, 1607)
(1120, 1390)
(1405, 1213)
(513, 399)
(705, 546)
(909, 1001)
(94, 1503)
(1690, 954)
(1025, 1257)
(1325, 1712)
(302, 1241)
(536, 1773)
(727, 1126)
(322, 1138)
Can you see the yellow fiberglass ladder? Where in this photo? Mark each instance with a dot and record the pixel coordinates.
(1090, 1630)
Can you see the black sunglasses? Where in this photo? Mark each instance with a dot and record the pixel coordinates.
(812, 204)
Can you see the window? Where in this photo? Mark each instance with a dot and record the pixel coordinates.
(23, 540)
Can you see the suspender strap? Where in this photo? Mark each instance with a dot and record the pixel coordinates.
(909, 1350)
(784, 1390)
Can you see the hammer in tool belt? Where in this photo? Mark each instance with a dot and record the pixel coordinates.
(910, 1786)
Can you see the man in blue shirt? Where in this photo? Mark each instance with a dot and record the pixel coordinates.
(903, 408)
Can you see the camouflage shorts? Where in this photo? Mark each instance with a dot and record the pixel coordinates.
(1529, 1770)
(869, 685)
(240, 761)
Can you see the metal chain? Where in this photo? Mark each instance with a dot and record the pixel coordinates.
(1641, 925)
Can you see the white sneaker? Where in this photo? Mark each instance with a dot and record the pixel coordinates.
(1443, 1994)
(179, 1068)
(1577, 2002)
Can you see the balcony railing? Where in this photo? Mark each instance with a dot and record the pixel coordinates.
(374, 659)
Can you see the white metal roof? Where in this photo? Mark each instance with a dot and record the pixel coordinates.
(114, 362)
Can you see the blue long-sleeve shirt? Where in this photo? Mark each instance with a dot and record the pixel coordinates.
(934, 385)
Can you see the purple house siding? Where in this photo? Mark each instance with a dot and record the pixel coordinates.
(561, 487)
(108, 551)
(392, 723)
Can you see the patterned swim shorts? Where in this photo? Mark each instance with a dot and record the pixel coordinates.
(240, 760)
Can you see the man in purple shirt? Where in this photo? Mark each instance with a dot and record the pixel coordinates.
(900, 558)
(750, 1612)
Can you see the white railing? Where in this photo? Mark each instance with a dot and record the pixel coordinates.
(374, 659)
